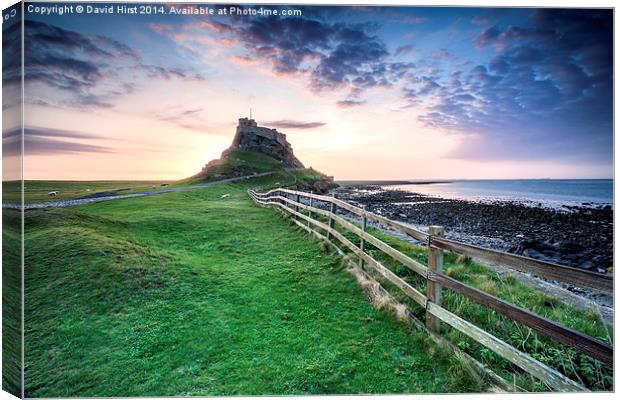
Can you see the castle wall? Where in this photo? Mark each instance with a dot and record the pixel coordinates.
(250, 136)
(250, 127)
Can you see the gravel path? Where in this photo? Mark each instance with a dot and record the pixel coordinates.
(75, 202)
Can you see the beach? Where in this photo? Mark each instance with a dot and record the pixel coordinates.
(574, 235)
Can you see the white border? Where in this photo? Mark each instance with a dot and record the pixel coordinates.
(479, 3)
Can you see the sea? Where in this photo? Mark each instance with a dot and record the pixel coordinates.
(536, 192)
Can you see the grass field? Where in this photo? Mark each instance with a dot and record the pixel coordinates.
(11, 302)
(190, 293)
(37, 191)
(237, 163)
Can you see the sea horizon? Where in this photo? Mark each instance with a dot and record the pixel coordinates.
(548, 192)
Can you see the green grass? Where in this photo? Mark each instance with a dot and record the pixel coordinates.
(237, 163)
(11, 302)
(187, 292)
(191, 294)
(578, 367)
(36, 191)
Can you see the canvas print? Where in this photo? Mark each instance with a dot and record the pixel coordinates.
(250, 199)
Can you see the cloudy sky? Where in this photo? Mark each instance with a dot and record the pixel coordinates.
(361, 92)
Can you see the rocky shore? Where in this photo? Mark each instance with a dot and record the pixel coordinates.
(577, 236)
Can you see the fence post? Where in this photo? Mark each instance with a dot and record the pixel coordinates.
(296, 206)
(433, 289)
(364, 223)
(332, 209)
(310, 211)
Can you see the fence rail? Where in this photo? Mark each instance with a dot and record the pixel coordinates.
(560, 273)
(289, 201)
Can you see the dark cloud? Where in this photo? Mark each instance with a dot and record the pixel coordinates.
(53, 37)
(159, 72)
(89, 71)
(50, 147)
(70, 62)
(191, 112)
(350, 103)
(42, 141)
(443, 53)
(358, 60)
(11, 54)
(546, 93)
(421, 87)
(402, 50)
(55, 133)
(353, 99)
(334, 55)
(290, 124)
(11, 61)
(465, 97)
(487, 35)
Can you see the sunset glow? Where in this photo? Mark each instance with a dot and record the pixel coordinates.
(360, 92)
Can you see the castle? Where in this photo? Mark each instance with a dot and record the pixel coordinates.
(250, 136)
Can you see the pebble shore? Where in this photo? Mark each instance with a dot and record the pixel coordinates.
(576, 236)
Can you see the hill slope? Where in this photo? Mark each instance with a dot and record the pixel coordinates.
(243, 163)
(236, 163)
(254, 149)
(190, 293)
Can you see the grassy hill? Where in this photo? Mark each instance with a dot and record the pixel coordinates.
(190, 293)
(236, 163)
(197, 293)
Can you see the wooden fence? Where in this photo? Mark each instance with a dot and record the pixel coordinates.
(290, 202)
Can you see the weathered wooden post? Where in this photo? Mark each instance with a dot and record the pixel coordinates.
(297, 205)
(332, 209)
(310, 211)
(287, 204)
(435, 264)
(364, 223)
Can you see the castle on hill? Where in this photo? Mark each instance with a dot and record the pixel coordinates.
(251, 137)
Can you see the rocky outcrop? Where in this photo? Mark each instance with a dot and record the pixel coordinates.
(241, 158)
(251, 137)
(321, 185)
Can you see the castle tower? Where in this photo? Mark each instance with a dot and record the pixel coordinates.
(249, 136)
